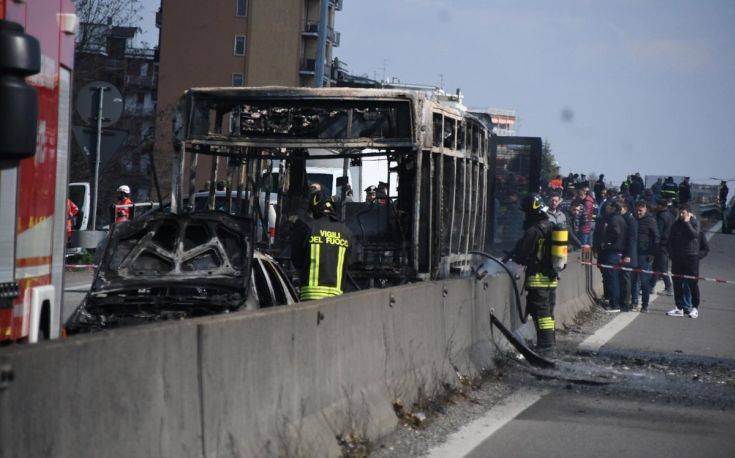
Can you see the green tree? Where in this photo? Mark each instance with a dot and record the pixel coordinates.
(549, 165)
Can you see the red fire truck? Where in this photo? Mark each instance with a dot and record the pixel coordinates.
(36, 61)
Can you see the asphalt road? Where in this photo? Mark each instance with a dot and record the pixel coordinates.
(678, 400)
(76, 284)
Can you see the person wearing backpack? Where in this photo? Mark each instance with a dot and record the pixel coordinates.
(533, 251)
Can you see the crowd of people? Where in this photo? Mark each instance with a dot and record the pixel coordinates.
(636, 227)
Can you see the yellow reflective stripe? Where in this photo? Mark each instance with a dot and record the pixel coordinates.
(321, 289)
(340, 265)
(314, 266)
(545, 323)
(318, 292)
(540, 280)
(312, 263)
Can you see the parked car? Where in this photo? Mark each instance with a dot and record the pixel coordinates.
(168, 267)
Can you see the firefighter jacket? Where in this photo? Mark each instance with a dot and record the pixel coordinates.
(321, 251)
(533, 250)
(669, 190)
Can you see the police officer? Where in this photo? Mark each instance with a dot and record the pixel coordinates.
(533, 251)
(321, 250)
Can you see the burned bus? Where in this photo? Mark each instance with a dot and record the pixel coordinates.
(437, 204)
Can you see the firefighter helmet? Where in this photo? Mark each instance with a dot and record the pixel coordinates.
(532, 204)
(320, 205)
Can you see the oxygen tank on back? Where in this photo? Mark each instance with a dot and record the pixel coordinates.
(559, 247)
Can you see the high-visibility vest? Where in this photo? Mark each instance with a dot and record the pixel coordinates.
(329, 244)
(122, 212)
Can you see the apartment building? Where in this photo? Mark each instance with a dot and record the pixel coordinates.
(240, 43)
(105, 52)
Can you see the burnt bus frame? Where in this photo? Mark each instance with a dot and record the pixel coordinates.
(467, 154)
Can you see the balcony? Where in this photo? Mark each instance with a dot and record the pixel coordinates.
(311, 30)
(308, 67)
(144, 82)
(337, 5)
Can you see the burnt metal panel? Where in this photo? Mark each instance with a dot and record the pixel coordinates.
(517, 166)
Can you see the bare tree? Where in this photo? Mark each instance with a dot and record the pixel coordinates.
(105, 12)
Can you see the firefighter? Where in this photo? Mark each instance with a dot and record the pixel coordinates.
(321, 251)
(669, 190)
(534, 252)
(123, 206)
(71, 212)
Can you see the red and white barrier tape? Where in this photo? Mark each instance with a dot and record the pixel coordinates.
(632, 269)
(80, 266)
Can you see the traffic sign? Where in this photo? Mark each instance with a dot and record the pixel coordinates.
(112, 140)
(88, 103)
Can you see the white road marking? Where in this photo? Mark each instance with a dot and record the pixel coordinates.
(473, 434)
(607, 332)
(611, 329)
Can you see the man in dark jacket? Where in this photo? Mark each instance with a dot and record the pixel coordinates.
(724, 190)
(648, 240)
(684, 247)
(576, 219)
(656, 188)
(664, 220)
(630, 256)
(636, 186)
(609, 245)
(600, 189)
(685, 191)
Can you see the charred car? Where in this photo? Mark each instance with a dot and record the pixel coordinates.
(165, 266)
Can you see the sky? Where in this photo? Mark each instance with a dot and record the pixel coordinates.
(615, 86)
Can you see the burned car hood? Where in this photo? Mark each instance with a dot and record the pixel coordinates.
(198, 250)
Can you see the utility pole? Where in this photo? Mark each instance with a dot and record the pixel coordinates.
(98, 150)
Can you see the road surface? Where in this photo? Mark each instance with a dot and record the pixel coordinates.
(76, 284)
(671, 389)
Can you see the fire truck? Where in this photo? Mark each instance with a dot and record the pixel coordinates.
(36, 61)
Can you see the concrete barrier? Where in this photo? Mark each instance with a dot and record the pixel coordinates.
(124, 393)
(276, 382)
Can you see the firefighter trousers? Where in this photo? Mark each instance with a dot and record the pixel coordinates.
(539, 305)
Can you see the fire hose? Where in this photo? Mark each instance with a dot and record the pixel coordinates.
(518, 342)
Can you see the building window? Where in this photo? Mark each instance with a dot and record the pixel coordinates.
(238, 79)
(240, 45)
(242, 8)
